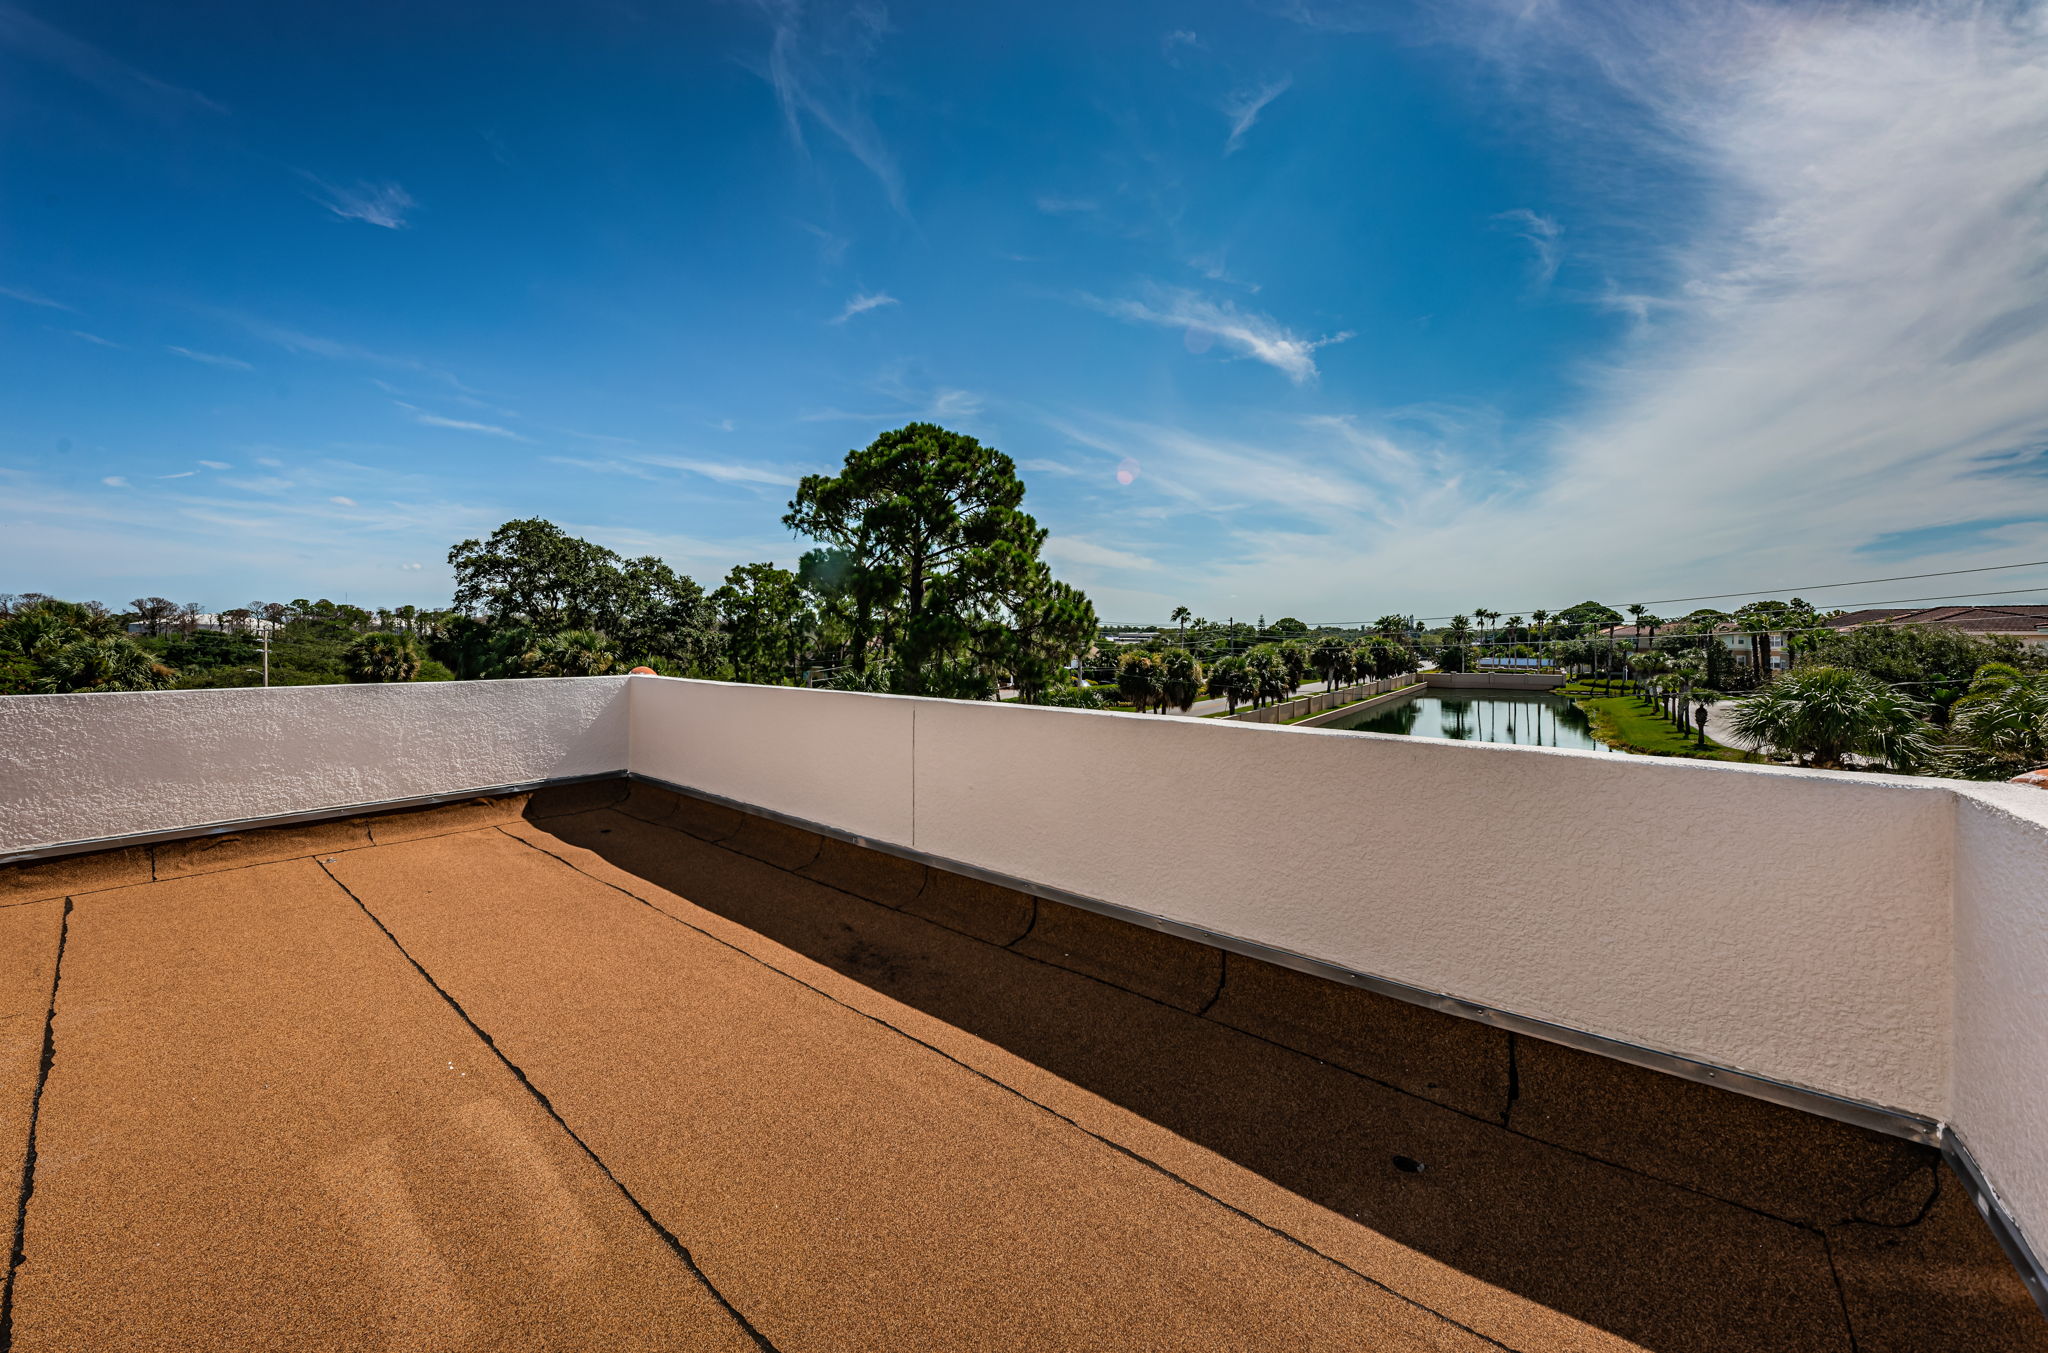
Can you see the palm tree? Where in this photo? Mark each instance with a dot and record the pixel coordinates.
(1138, 680)
(570, 653)
(382, 657)
(1649, 668)
(1181, 616)
(1269, 676)
(1539, 618)
(1691, 670)
(1393, 627)
(105, 663)
(1180, 679)
(1229, 680)
(1331, 658)
(1486, 619)
(2000, 728)
(1703, 700)
(1294, 657)
(1818, 715)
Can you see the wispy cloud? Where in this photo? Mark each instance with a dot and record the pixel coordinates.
(1213, 266)
(27, 297)
(313, 345)
(1080, 551)
(216, 465)
(210, 358)
(1799, 385)
(1540, 232)
(603, 437)
(725, 472)
(817, 64)
(649, 467)
(435, 420)
(115, 481)
(1244, 106)
(93, 338)
(861, 303)
(1052, 204)
(377, 204)
(182, 474)
(23, 32)
(1205, 322)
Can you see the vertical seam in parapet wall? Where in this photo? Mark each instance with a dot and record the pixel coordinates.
(1958, 805)
(632, 722)
(27, 1187)
(1514, 1077)
(913, 782)
(1287, 1237)
(668, 1237)
(1222, 976)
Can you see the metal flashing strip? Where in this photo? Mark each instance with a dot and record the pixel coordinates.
(62, 848)
(2010, 1238)
(1893, 1122)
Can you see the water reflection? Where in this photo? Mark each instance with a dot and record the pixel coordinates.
(1528, 718)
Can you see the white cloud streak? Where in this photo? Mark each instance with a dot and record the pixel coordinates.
(377, 204)
(1247, 333)
(861, 303)
(817, 65)
(27, 297)
(23, 32)
(1244, 106)
(435, 420)
(210, 358)
(1540, 233)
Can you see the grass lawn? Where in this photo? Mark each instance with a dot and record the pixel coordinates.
(1634, 725)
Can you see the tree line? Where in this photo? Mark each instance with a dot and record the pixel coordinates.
(925, 577)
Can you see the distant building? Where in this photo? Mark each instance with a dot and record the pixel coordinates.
(212, 624)
(2027, 623)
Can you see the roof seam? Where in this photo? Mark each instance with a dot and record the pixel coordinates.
(668, 1237)
(979, 1074)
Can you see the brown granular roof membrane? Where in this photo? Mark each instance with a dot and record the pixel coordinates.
(601, 1071)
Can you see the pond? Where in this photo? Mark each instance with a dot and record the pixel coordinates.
(1528, 718)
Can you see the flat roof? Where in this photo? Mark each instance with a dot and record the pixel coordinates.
(563, 1073)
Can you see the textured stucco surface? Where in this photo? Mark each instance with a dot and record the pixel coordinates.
(1793, 925)
(2000, 1094)
(826, 756)
(84, 767)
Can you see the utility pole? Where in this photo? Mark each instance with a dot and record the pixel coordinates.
(266, 660)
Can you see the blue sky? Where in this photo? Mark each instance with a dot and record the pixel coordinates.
(1283, 308)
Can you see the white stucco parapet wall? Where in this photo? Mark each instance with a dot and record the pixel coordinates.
(1877, 938)
(87, 767)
